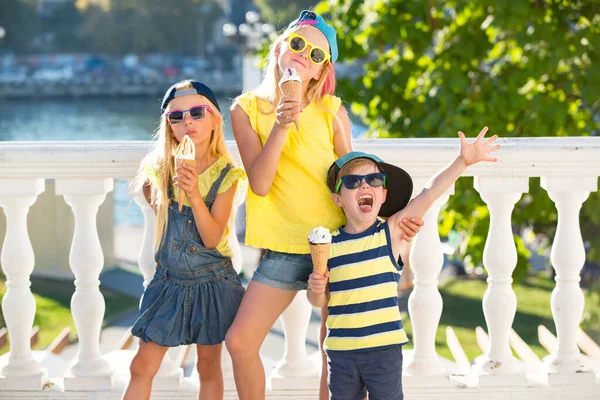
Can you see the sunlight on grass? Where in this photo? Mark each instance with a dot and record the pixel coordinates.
(463, 312)
(53, 313)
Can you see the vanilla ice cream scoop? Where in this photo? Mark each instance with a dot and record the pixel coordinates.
(290, 74)
(319, 235)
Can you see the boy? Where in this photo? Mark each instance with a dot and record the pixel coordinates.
(365, 335)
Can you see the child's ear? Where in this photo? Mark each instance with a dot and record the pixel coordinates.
(384, 195)
(337, 199)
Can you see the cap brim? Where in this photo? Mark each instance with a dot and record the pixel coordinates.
(399, 189)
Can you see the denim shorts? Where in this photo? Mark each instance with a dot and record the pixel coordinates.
(284, 270)
(377, 371)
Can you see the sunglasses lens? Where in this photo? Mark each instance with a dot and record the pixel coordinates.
(198, 112)
(175, 117)
(351, 181)
(374, 180)
(317, 56)
(297, 43)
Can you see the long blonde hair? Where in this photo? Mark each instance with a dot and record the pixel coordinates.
(161, 158)
(269, 90)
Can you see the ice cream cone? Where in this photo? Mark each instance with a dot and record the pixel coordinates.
(320, 242)
(291, 85)
(319, 253)
(181, 197)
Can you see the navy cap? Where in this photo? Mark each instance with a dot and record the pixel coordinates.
(198, 88)
(399, 182)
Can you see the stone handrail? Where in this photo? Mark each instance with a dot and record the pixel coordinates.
(84, 171)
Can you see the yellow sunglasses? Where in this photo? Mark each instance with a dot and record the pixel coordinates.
(317, 54)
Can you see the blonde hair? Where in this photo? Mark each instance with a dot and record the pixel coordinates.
(269, 89)
(161, 159)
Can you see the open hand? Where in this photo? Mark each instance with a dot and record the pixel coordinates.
(479, 150)
(187, 179)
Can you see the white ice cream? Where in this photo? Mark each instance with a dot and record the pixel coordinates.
(290, 74)
(319, 235)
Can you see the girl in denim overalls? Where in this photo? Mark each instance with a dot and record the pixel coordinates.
(195, 293)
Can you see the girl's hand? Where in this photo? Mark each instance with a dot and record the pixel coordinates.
(287, 110)
(409, 227)
(318, 283)
(187, 179)
(477, 151)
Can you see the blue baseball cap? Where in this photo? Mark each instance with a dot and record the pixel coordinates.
(198, 88)
(311, 18)
(399, 182)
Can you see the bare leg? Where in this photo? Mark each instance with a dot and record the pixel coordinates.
(323, 387)
(143, 367)
(260, 308)
(210, 372)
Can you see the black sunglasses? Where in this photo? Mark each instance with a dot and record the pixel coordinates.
(351, 182)
(196, 113)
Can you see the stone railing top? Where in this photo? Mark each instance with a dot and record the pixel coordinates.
(533, 157)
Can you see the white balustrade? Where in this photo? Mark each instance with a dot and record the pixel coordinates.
(295, 370)
(84, 195)
(571, 167)
(499, 300)
(22, 372)
(169, 375)
(425, 301)
(567, 257)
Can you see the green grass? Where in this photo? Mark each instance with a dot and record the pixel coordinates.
(463, 312)
(53, 314)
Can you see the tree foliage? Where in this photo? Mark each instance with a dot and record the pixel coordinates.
(15, 18)
(281, 13)
(430, 68)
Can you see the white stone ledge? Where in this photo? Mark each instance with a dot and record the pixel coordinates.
(530, 157)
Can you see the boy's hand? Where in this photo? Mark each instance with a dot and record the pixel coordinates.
(477, 151)
(318, 283)
(409, 227)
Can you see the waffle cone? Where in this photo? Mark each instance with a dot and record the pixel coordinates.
(181, 197)
(319, 253)
(293, 89)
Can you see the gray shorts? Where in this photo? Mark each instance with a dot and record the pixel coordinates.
(284, 270)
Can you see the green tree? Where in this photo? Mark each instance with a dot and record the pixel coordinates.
(20, 27)
(281, 13)
(432, 67)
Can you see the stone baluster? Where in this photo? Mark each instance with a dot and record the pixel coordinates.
(567, 257)
(425, 302)
(22, 372)
(499, 301)
(295, 370)
(84, 195)
(170, 375)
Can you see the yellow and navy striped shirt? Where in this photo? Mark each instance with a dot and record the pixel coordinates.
(363, 287)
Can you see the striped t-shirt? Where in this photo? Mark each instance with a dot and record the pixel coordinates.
(363, 287)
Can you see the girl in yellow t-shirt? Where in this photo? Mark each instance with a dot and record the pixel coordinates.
(195, 293)
(286, 163)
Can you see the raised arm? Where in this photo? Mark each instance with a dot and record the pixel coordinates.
(342, 133)
(261, 163)
(470, 153)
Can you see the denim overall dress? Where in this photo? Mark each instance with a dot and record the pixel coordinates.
(195, 293)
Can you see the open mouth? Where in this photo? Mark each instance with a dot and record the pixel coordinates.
(365, 203)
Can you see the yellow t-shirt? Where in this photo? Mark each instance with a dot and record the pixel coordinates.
(205, 181)
(299, 199)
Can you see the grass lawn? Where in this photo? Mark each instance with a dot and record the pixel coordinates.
(53, 314)
(463, 312)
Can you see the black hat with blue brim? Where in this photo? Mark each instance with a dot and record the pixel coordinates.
(399, 183)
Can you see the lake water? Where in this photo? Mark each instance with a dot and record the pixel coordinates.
(94, 119)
